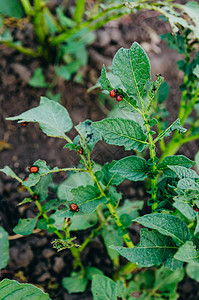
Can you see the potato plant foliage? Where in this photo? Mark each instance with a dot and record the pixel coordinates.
(170, 234)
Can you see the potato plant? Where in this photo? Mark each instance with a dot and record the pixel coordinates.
(89, 198)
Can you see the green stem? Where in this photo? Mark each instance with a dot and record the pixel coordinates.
(189, 108)
(171, 149)
(63, 170)
(90, 25)
(27, 7)
(127, 269)
(75, 252)
(39, 24)
(79, 10)
(93, 233)
(22, 49)
(154, 168)
(178, 139)
(112, 210)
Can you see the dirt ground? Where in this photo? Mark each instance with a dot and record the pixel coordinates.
(32, 258)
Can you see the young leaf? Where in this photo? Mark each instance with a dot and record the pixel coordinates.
(9, 172)
(175, 160)
(192, 9)
(25, 226)
(73, 181)
(41, 188)
(34, 178)
(103, 288)
(111, 178)
(82, 222)
(174, 126)
(162, 93)
(11, 289)
(11, 8)
(173, 264)
(196, 71)
(133, 68)
(166, 225)
(38, 79)
(105, 83)
(152, 92)
(188, 184)
(122, 132)
(181, 172)
(197, 225)
(188, 253)
(166, 282)
(52, 117)
(131, 167)
(88, 198)
(176, 42)
(153, 249)
(92, 271)
(52, 204)
(111, 237)
(185, 209)
(75, 284)
(90, 134)
(4, 248)
(192, 270)
(131, 207)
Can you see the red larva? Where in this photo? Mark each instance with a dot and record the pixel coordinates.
(25, 179)
(195, 208)
(24, 123)
(119, 98)
(80, 151)
(33, 169)
(35, 197)
(113, 93)
(74, 207)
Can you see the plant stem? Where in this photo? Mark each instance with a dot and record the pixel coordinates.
(128, 268)
(89, 24)
(79, 10)
(178, 139)
(63, 170)
(90, 237)
(22, 49)
(74, 251)
(154, 168)
(112, 210)
(189, 108)
(40, 28)
(27, 6)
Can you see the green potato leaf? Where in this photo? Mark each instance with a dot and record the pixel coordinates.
(153, 249)
(4, 248)
(188, 253)
(25, 226)
(192, 270)
(174, 126)
(103, 288)
(133, 68)
(88, 198)
(131, 167)
(11, 289)
(122, 132)
(76, 284)
(166, 225)
(52, 117)
(175, 160)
